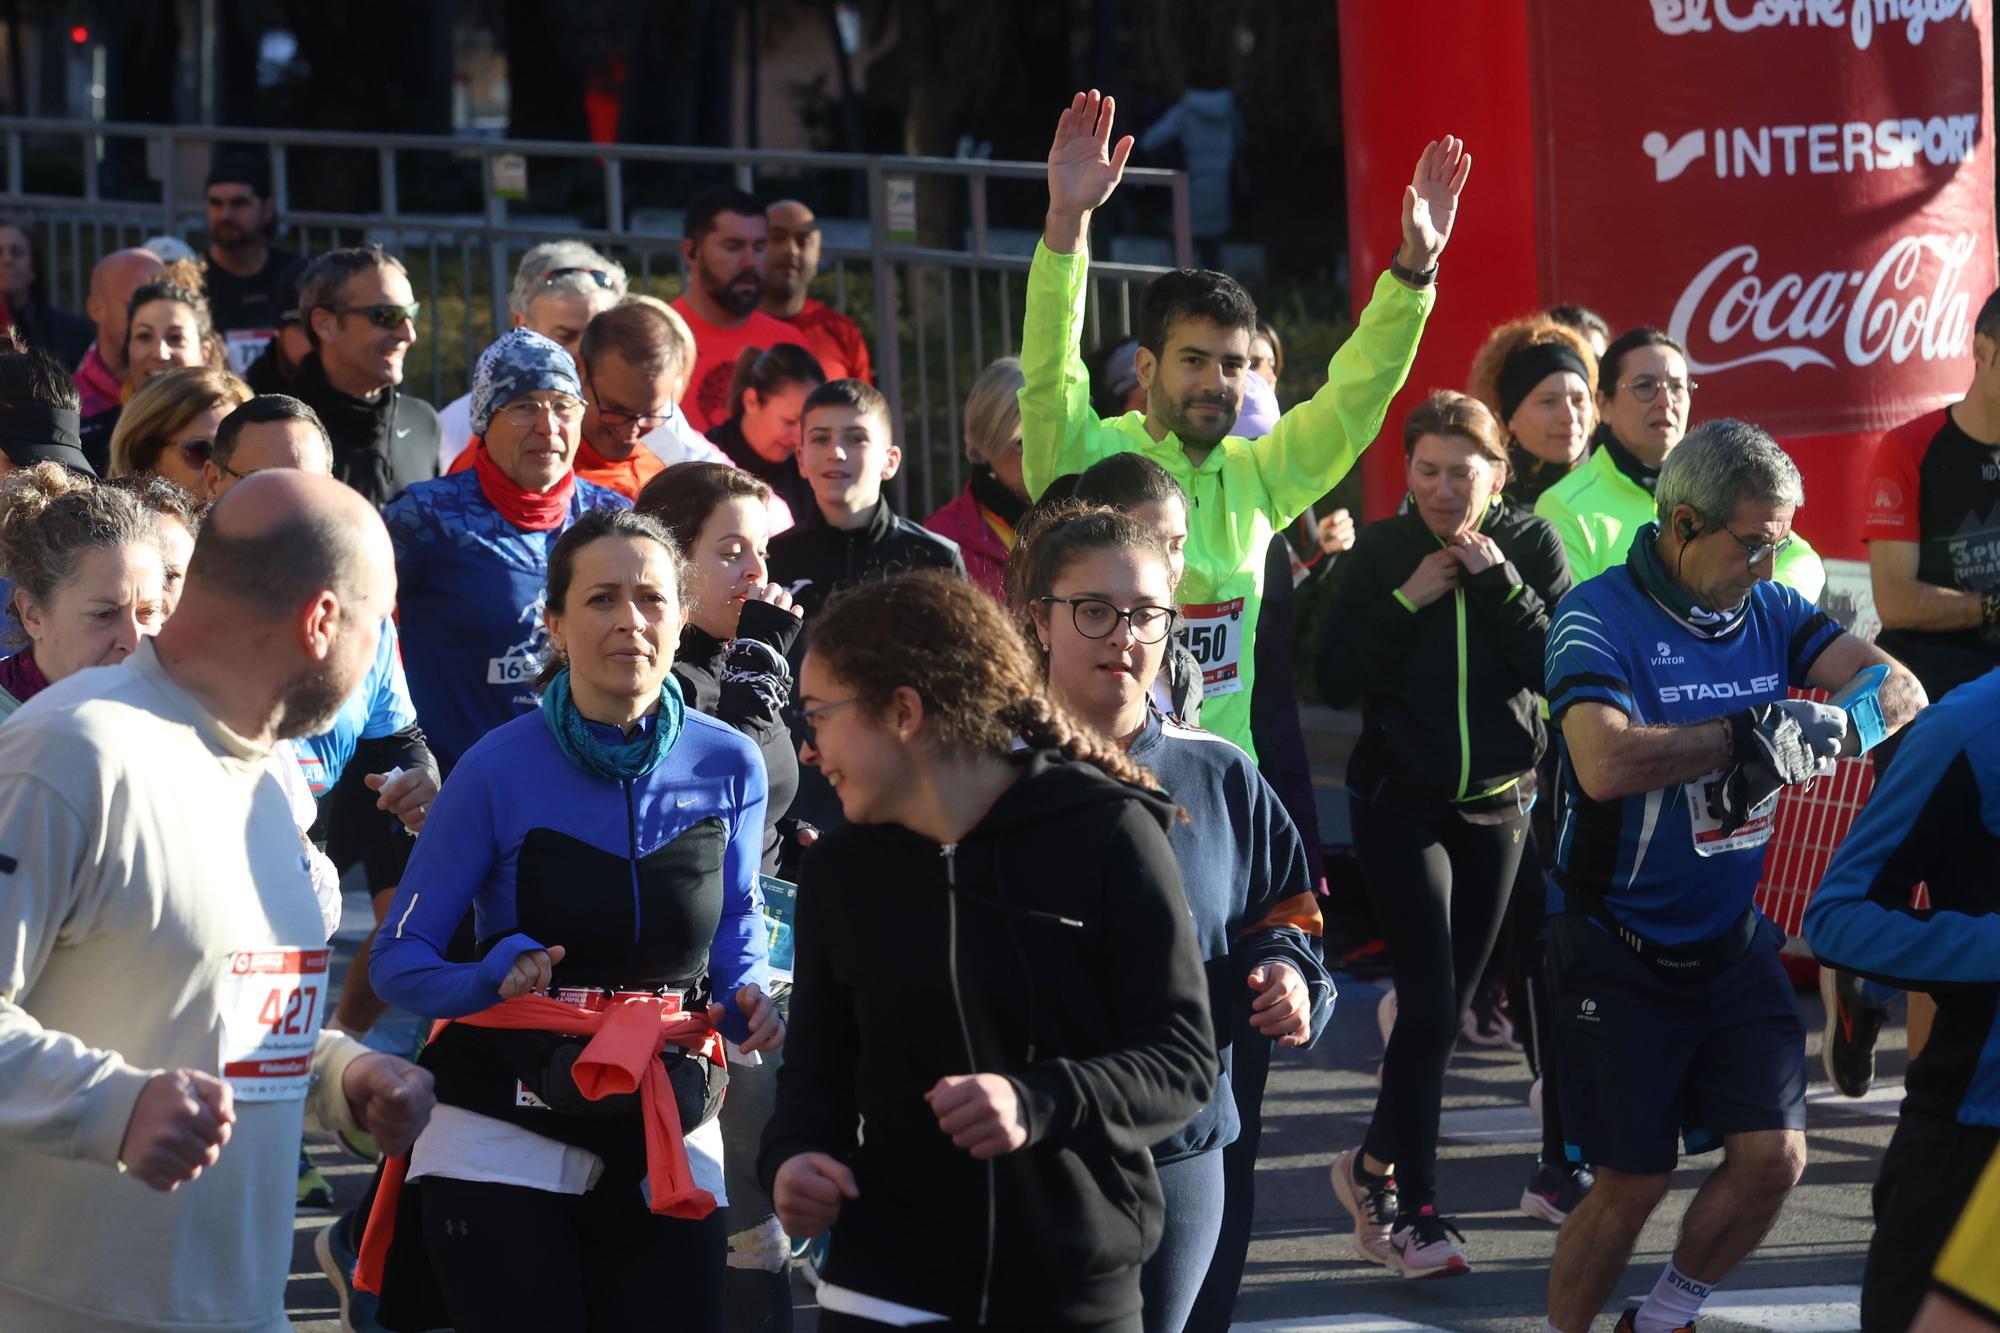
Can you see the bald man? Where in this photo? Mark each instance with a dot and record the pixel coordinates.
(162, 960)
(100, 377)
(790, 264)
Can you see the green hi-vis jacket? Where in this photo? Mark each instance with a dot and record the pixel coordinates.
(1597, 509)
(1245, 490)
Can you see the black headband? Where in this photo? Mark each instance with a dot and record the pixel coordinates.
(1529, 366)
(34, 433)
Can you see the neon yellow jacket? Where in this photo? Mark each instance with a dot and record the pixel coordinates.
(1596, 510)
(1245, 490)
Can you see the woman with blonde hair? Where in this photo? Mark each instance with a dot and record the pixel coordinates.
(1537, 378)
(169, 426)
(984, 515)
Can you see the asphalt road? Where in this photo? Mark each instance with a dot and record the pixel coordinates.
(1302, 1276)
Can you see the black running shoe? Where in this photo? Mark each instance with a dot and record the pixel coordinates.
(1853, 1025)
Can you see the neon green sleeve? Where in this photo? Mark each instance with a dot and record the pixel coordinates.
(1059, 432)
(1801, 569)
(1577, 547)
(1312, 446)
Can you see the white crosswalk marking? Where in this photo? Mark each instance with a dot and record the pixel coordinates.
(1787, 1309)
(1347, 1323)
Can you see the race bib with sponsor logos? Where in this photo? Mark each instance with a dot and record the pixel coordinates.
(1706, 797)
(272, 1003)
(245, 346)
(1214, 634)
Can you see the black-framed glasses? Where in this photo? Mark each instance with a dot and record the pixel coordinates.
(383, 314)
(647, 422)
(1095, 618)
(597, 275)
(1646, 388)
(528, 413)
(802, 718)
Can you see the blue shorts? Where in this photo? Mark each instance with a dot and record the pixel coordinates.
(1649, 1065)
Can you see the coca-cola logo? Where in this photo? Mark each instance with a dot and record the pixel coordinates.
(1907, 305)
(1677, 18)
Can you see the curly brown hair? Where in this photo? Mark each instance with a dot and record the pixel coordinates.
(936, 634)
(1483, 382)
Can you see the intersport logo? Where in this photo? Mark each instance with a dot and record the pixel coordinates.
(1907, 305)
(1677, 18)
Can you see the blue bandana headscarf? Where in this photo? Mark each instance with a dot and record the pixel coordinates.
(624, 762)
(519, 361)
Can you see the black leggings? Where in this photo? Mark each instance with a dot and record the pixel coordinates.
(1439, 886)
(507, 1257)
(1524, 949)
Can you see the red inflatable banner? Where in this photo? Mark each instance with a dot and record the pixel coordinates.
(1800, 191)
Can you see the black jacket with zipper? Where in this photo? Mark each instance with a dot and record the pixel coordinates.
(1450, 692)
(1052, 945)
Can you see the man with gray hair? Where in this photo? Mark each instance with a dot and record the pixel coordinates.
(559, 287)
(1668, 682)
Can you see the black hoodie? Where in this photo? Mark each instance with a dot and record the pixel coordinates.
(1450, 693)
(1052, 945)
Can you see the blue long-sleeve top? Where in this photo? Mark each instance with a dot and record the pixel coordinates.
(1934, 818)
(1249, 889)
(645, 882)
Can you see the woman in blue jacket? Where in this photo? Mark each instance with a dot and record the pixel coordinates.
(607, 846)
(1098, 602)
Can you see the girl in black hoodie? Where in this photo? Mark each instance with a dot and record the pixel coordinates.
(995, 973)
(1437, 630)
(731, 665)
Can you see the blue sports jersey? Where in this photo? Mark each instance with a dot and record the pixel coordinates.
(380, 707)
(1660, 858)
(469, 595)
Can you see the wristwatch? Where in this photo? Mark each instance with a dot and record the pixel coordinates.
(1411, 276)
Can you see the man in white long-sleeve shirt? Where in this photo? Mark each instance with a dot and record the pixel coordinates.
(162, 958)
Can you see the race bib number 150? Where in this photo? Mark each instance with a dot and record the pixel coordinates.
(1214, 634)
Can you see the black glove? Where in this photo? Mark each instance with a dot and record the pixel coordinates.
(1777, 745)
(1989, 617)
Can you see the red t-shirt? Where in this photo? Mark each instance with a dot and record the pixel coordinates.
(715, 351)
(835, 340)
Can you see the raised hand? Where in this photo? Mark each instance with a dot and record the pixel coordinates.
(1430, 204)
(1085, 166)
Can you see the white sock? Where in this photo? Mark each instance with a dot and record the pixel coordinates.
(1547, 1327)
(1675, 1301)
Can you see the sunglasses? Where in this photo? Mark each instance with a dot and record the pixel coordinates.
(195, 452)
(597, 275)
(387, 315)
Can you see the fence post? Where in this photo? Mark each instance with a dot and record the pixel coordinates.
(1183, 223)
(169, 177)
(496, 256)
(614, 193)
(888, 340)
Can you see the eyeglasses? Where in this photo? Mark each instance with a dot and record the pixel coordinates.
(597, 275)
(1647, 387)
(1756, 553)
(802, 718)
(195, 452)
(1095, 618)
(528, 413)
(386, 315)
(647, 422)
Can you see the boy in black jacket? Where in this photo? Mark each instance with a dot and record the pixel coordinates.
(850, 533)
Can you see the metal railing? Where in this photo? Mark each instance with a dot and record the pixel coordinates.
(935, 313)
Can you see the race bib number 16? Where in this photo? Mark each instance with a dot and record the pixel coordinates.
(272, 1003)
(1214, 634)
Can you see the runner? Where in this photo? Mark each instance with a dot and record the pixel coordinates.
(764, 426)
(996, 975)
(168, 428)
(1438, 629)
(731, 665)
(87, 573)
(985, 517)
(176, 521)
(1535, 376)
(99, 1079)
(1927, 822)
(1676, 1022)
(166, 328)
(1195, 331)
(1098, 601)
(472, 548)
(1644, 401)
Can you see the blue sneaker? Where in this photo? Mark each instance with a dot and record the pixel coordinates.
(337, 1259)
(809, 1257)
